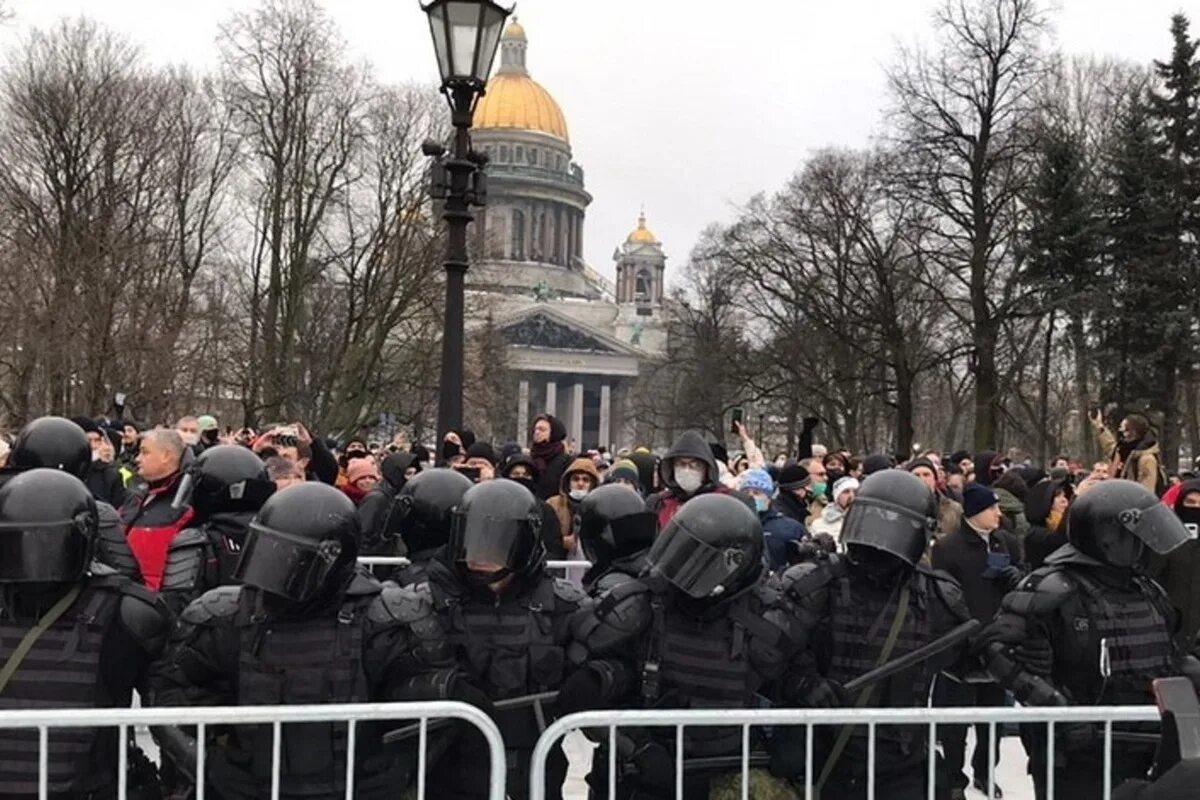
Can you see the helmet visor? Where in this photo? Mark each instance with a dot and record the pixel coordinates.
(43, 552)
(634, 532)
(692, 566)
(887, 527)
(285, 565)
(503, 542)
(1158, 526)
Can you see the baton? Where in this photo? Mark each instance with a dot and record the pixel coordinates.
(535, 700)
(938, 646)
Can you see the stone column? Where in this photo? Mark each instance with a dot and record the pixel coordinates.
(523, 410)
(605, 414)
(552, 397)
(576, 429)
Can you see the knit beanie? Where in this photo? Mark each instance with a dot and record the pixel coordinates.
(757, 479)
(977, 498)
(624, 470)
(360, 468)
(845, 484)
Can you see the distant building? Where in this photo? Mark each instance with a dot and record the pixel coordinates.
(575, 339)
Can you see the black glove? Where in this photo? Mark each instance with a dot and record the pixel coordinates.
(581, 692)
(817, 692)
(1036, 656)
(1010, 576)
(810, 423)
(653, 766)
(1006, 629)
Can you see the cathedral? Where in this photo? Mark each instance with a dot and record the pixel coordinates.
(575, 340)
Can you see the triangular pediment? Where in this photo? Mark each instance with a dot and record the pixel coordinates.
(545, 328)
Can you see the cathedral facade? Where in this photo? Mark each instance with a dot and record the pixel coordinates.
(575, 340)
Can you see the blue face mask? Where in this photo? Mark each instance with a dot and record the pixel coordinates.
(761, 504)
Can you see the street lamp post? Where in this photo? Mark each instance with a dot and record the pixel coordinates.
(465, 35)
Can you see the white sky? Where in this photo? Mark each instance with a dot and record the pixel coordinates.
(687, 107)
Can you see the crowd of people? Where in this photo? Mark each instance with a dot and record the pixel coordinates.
(198, 565)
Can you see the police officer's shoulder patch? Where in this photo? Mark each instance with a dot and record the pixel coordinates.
(567, 592)
(401, 605)
(212, 606)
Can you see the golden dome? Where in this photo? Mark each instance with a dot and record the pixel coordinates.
(514, 30)
(641, 234)
(518, 101)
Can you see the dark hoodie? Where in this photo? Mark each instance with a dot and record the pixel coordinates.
(983, 466)
(1041, 540)
(690, 444)
(374, 513)
(1179, 570)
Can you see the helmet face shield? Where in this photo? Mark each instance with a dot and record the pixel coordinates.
(693, 566)
(1158, 527)
(284, 565)
(44, 552)
(874, 523)
(481, 539)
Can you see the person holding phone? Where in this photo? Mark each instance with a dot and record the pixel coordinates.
(986, 561)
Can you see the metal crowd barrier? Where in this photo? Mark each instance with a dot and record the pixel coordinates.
(400, 561)
(810, 718)
(201, 717)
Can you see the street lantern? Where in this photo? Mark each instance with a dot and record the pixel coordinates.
(465, 35)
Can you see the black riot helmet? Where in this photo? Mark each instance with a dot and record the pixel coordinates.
(53, 443)
(224, 479)
(1115, 521)
(498, 522)
(48, 525)
(894, 513)
(303, 541)
(614, 523)
(712, 547)
(424, 506)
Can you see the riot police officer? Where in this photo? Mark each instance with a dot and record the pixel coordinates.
(225, 487)
(58, 443)
(688, 633)
(615, 533)
(508, 622)
(304, 626)
(1089, 628)
(855, 613)
(70, 637)
(422, 514)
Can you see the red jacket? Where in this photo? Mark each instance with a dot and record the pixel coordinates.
(151, 523)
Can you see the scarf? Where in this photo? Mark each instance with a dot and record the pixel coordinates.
(542, 453)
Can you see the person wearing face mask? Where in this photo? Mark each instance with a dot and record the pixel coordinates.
(780, 532)
(1046, 509)
(580, 478)
(1095, 630)
(1179, 571)
(1135, 456)
(454, 447)
(688, 470)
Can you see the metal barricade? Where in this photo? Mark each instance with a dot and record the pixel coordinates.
(679, 719)
(276, 716)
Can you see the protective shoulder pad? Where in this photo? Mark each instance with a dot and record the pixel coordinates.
(401, 605)
(363, 584)
(214, 606)
(801, 581)
(1042, 592)
(145, 616)
(189, 537)
(624, 613)
(948, 589)
(568, 593)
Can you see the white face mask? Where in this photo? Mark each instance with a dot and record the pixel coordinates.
(577, 494)
(689, 479)
(191, 438)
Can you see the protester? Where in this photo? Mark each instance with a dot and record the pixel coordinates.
(1010, 487)
(521, 469)
(949, 510)
(103, 479)
(829, 523)
(454, 446)
(1179, 571)
(580, 478)
(1135, 455)
(283, 472)
(548, 449)
(362, 475)
(688, 470)
(795, 492)
(375, 512)
(781, 533)
(625, 472)
(1046, 511)
(150, 516)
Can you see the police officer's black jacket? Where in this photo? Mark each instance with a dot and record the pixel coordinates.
(93, 656)
(364, 643)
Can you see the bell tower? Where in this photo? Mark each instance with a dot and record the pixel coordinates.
(641, 266)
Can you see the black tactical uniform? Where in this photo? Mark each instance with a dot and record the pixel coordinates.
(615, 533)
(421, 515)
(690, 633)
(58, 443)
(101, 632)
(1090, 603)
(305, 627)
(509, 624)
(225, 486)
(853, 614)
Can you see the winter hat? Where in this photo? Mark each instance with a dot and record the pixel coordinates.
(958, 456)
(624, 470)
(876, 463)
(759, 480)
(207, 423)
(793, 476)
(509, 450)
(921, 461)
(360, 468)
(977, 498)
(87, 423)
(481, 450)
(845, 484)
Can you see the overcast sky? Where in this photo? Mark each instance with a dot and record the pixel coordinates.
(686, 106)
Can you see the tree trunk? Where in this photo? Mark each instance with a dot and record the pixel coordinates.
(1044, 454)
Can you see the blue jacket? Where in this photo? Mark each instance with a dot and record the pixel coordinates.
(778, 532)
